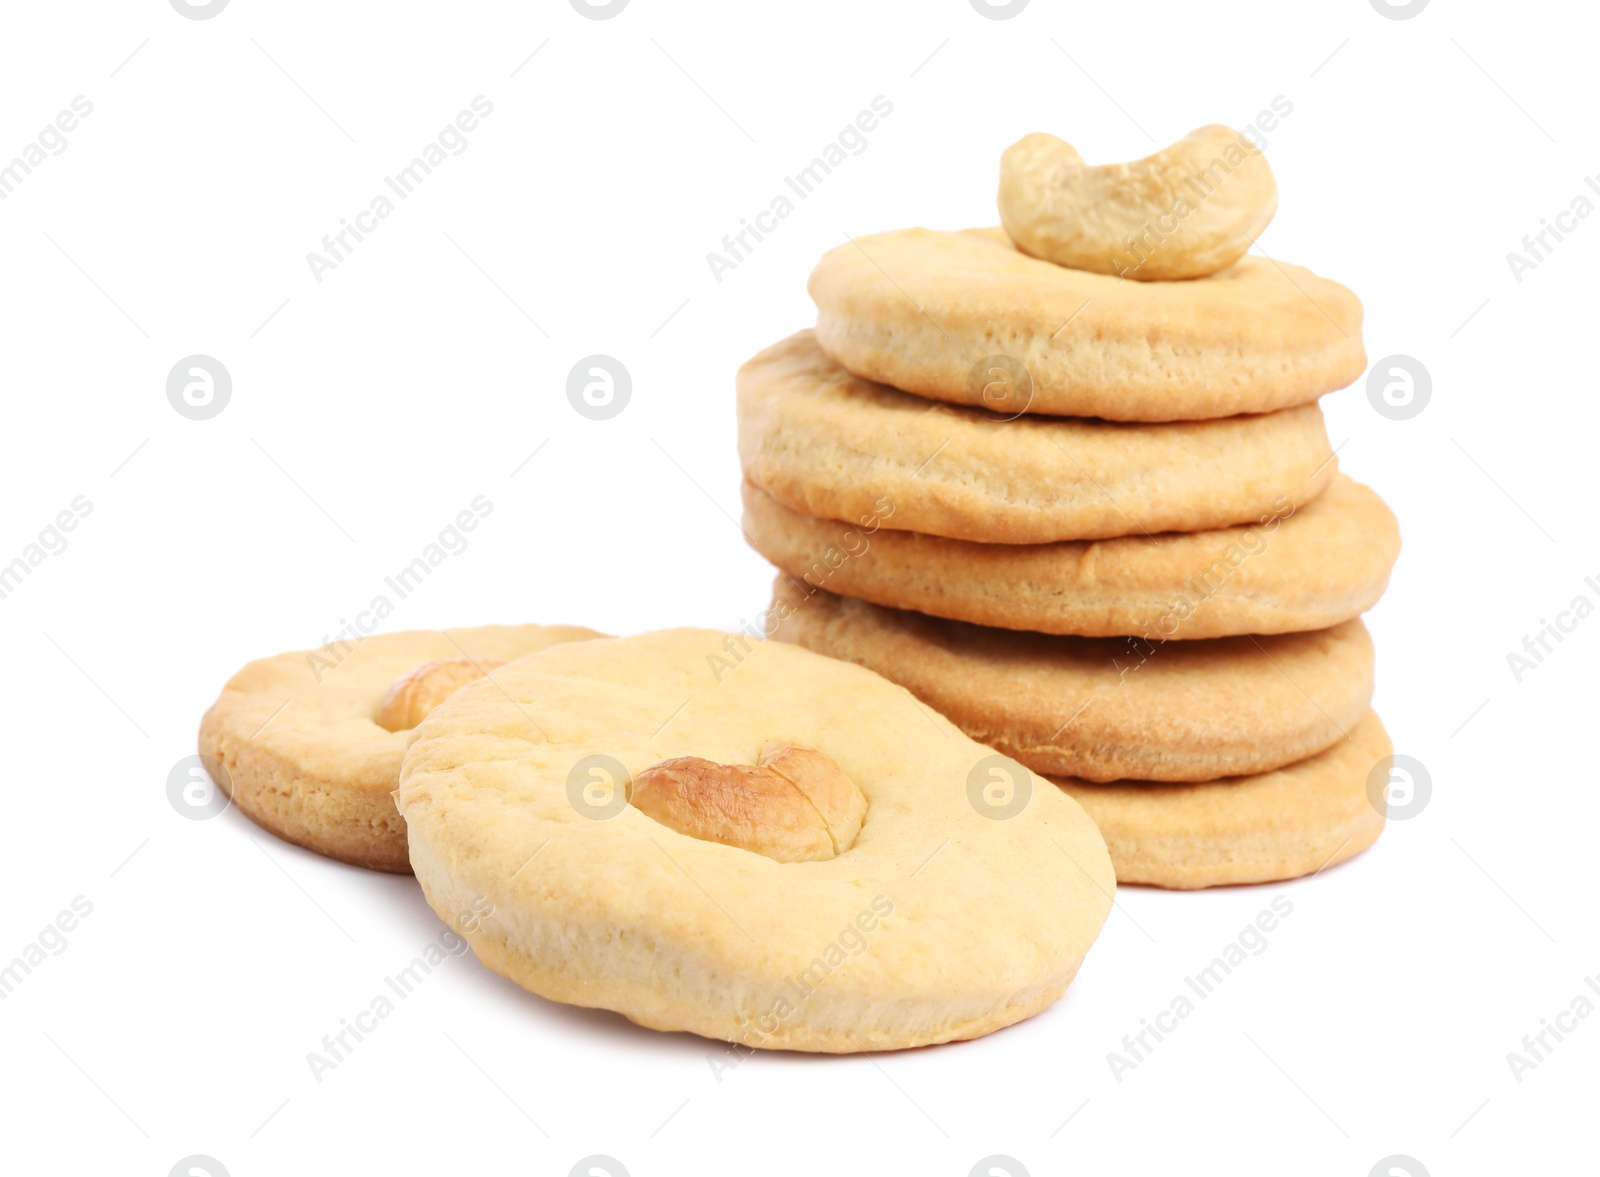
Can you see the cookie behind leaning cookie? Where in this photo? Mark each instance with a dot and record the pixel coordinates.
(299, 743)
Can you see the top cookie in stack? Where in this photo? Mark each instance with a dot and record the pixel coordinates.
(923, 310)
(1099, 422)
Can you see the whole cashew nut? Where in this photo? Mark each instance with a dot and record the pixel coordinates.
(1187, 211)
(796, 805)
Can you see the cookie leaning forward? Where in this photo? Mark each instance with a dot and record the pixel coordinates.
(298, 745)
(828, 443)
(1105, 709)
(1250, 829)
(923, 311)
(1322, 564)
(525, 841)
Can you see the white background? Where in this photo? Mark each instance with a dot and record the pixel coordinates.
(370, 408)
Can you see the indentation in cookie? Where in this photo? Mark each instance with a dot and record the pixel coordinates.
(794, 805)
(422, 688)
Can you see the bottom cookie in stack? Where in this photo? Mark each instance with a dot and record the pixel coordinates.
(309, 744)
(1282, 824)
(1228, 760)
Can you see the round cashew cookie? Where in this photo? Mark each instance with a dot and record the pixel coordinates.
(1251, 829)
(310, 743)
(750, 842)
(1105, 709)
(828, 443)
(1311, 569)
(966, 317)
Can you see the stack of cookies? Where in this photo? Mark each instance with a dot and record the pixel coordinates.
(1068, 483)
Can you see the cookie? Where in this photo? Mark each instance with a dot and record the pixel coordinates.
(1105, 709)
(1309, 569)
(803, 865)
(936, 313)
(825, 442)
(310, 742)
(1251, 829)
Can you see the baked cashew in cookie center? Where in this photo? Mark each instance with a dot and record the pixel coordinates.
(1187, 211)
(795, 805)
(422, 688)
